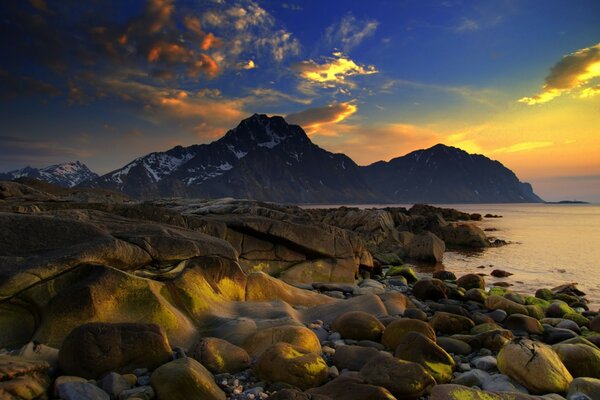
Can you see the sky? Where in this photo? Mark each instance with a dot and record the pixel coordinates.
(105, 82)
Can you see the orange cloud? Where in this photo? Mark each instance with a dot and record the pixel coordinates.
(573, 71)
(169, 52)
(209, 41)
(158, 14)
(335, 71)
(313, 119)
(204, 64)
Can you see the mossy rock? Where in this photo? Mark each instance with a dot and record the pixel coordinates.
(580, 359)
(567, 298)
(486, 327)
(403, 270)
(476, 294)
(358, 325)
(531, 300)
(185, 378)
(577, 318)
(536, 311)
(558, 309)
(394, 333)
(498, 291)
(544, 294)
(418, 348)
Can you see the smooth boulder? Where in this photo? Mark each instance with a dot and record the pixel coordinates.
(418, 348)
(185, 378)
(449, 323)
(358, 325)
(394, 332)
(581, 360)
(293, 334)
(219, 356)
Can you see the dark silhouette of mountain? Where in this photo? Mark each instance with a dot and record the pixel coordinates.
(263, 158)
(443, 174)
(66, 175)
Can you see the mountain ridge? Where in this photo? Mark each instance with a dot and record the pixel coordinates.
(68, 174)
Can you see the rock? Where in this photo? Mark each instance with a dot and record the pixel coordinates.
(405, 271)
(426, 247)
(581, 360)
(294, 365)
(471, 281)
(556, 335)
(113, 384)
(501, 383)
(495, 302)
(81, 391)
(524, 323)
(296, 335)
(463, 235)
(444, 276)
(497, 315)
(405, 380)
(459, 392)
(293, 394)
(450, 323)
(235, 331)
(350, 387)
(486, 363)
(474, 377)
(358, 325)
(498, 273)
(586, 386)
(138, 393)
(219, 356)
(97, 348)
(185, 378)
(430, 289)
(558, 309)
(536, 311)
(23, 379)
(354, 357)
(476, 294)
(415, 313)
(485, 327)
(577, 318)
(454, 346)
(534, 365)
(395, 303)
(394, 332)
(595, 324)
(544, 294)
(418, 348)
(569, 324)
(40, 352)
(492, 340)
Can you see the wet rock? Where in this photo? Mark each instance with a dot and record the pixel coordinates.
(459, 392)
(471, 281)
(351, 387)
(502, 383)
(185, 378)
(283, 362)
(405, 380)
(415, 313)
(94, 349)
(474, 377)
(450, 323)
(485, 363)
(296, 335)
(354, 357)
(405, 271)
(430, 289)
(476, 294)
(293, 394)
(81, 391)
(556, 335)
(584, 386)
(498, 273)
(418, 348)
(454, 346)
(358, 325)
(426, 247)
(444, 275)
(394, 332)
(219, 356)
(535, 366)
(595, 324)
(558, 309)
(581, 360)
(524, 323)
(495, 302)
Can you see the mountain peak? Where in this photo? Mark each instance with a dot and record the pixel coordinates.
(67, 174)
(263, 131)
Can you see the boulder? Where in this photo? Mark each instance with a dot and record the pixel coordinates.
(405, 380)
(394, 332)
(558, 309)
(584, 386)
(444, 275)
(351, 387)
(495, 302)
(418, 348)
(426, 247)
(292, 334)
(81, 391)
(499, 273)
(448, 323)
(114, 384)
(405, 271)
(476, 294)
(294, 394)
(580, 359)
(354, 357)
(94, 349)
(535, 366)
(185, 378)
(471, 281)
(595, 324)
(23, 379)
(430, 289)
(524, 323)
(358, 325)
(454, 346)
(283, 362)
(463, 235)
(219, 356)
(460, 392)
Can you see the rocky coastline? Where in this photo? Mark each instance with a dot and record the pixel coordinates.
(102, 297)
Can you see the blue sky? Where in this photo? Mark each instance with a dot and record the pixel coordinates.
(107, 81)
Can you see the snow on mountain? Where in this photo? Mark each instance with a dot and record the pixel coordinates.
(67, 175)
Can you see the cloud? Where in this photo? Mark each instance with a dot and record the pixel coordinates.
(523, 146)
(350, 32)
(314, 118)
(292, 7)
(20, 151)
(272, 96)
(467, 25)
(333, 72)
(572, 73)
(13, 86)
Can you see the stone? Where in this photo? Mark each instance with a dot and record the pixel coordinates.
(40, 352)
(426, 247)
(358, 325)
(474, 377)
(454, 346)
(595, 324)
(430, 289)
(535, 366)
(81, 391)
(113, 384)
(535, 311)
(586, 386)
(94, 349)
(499, 273)
(185, 378)
(476, 294)
(415, 313)
(444, 276)
(556, 335)
(418, 348)
(459, 392)
(580, 359)
(350, 387)
(219, 356)
(293, 394)
(497, 315)
(138, 393)
(235, 331)
(354, 357)
(394, 332)
(485, 363)
(405, 380)
(471, 281)
(495, 302)
(23, 379)
(450, 323)
(492, 340)
(294, 365)
(569, 324)
(502, 383)
(296, 335)
(405, 271)
(577, 318)
(544, 294)
(524, 323)
(558, 309)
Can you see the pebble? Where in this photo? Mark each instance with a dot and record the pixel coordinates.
(486, 363)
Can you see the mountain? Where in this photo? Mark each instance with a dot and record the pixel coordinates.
(443, 174)
(66, 175)
(263, 158)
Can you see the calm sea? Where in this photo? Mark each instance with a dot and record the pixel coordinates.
(550, 244)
